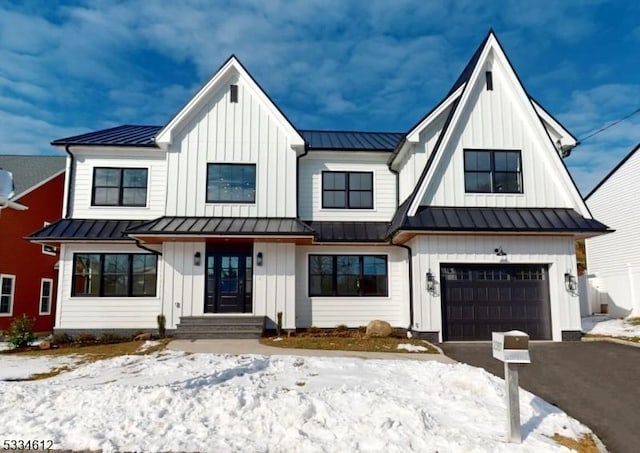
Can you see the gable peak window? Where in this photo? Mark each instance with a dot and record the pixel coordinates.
(119, 187)
(231, 183)
(233, 93)
(347, 190)
(492, 171)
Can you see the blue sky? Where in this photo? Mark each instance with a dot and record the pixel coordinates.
(73, 66)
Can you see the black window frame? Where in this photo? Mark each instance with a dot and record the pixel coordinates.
(492, 170)
(347, 189)
(361, 276)
(121, 187)
(101, 276)
(209, 199)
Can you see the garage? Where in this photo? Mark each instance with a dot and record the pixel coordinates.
(478, 299)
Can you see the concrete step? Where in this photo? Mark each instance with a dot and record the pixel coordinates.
(181, 335)
(218, 328)
(212, 321)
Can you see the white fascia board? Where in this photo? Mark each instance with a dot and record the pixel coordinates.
(566, 137)
(414, 135)
(165, 137)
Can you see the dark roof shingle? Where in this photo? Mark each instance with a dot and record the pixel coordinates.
(31, 170)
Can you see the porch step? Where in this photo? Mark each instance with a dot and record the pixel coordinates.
(219, 327)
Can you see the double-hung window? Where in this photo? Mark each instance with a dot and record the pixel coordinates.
(231, 183)
(347, 190)
(119, 187)
(115, 274)
(348, 275)
(492, 171)
(46, 288)
(7, 290)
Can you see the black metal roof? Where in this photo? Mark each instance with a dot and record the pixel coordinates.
(84, 229)
(349, 231)
(126, 135)
(249, 226)
(351, 141)
(539, 220)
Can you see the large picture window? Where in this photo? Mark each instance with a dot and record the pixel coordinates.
(348, 275)
(231, 183)
(347, 190)
(115, 274)
(7, 290)
(119, 187)
(492, 171)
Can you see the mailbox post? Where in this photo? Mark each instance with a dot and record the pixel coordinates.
(512, 348)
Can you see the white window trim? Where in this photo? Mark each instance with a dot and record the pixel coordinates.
(13, 293)
(352, 210)
(44, 250)
(42, 281)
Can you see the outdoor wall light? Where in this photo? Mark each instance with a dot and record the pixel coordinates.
(431, 282)
(259, 259)
(500, 252)
(196, 259)
(570, 282)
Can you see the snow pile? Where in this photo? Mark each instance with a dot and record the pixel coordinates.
(172, 401)
(5, 345)
(148, 344)
(602, 325)
(411, 347)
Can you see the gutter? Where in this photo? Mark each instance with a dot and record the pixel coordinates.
(306, 151)
(67, 214)
(410, 255)
(139, 245)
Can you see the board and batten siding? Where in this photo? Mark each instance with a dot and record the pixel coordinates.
(429, 252)
(413, 161)
(613, 260)
(329, 312)
(310, 192)
(103, 312)
(274, 289)
(497, 120)
(242, 133)
(85, 161)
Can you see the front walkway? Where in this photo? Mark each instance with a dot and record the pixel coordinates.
(238, 347)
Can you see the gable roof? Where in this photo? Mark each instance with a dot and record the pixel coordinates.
(612, 172)
(165, 136)
(30, 170)
(468, 78)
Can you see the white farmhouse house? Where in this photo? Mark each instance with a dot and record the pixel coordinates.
(229, 217)
(613, 260)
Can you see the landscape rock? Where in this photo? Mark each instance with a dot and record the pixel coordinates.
(378, 328)
(143, 337)
(44, 345)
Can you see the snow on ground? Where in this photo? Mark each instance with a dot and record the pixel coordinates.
(5, 345)
(602, 325)
(411, 347)
(173, 401)
(22, 367)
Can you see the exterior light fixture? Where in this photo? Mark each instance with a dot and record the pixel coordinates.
(500, 252)
(570, 282)
(196, 259)
(431, 282)
(259, 259)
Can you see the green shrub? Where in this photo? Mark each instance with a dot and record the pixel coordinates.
(61, 338)
(86, 338)
(342, 328)
(110, 338)
(20, 333)
(162, 323)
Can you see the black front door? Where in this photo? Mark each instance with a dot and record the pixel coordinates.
(229, 279)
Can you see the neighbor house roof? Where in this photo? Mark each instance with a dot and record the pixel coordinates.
(131, 135)
(31, 170)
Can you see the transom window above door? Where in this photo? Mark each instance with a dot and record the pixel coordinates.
(347, 190)
(231, 183)
(119, 187)
(492, 171)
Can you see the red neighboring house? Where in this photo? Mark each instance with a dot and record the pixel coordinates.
(28, 271)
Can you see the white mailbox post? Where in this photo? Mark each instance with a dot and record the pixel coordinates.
(512, 348)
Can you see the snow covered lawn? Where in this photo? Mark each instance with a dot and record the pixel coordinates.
(602, 325)
(173, 401)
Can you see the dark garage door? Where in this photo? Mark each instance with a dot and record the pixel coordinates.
(484, 298)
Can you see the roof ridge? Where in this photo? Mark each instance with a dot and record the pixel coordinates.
(349, 132)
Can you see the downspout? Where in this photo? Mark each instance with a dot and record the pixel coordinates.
(306, 151)
(410, 255)
(70, 185)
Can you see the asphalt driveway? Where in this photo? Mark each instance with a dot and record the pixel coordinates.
(597, 383)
